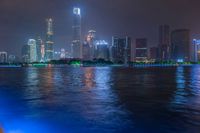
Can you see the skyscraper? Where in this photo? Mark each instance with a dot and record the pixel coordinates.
(164, 42)
(180, 40)
(42, 52)
(39, 44)
(3, 57)
(25, 54)
(33, 50)
(88, 49)
(91, 41)
(153, 53)
(76, 42)
(196, 50)
(101, 50)
(49, 41)
(121, 50)
(141, 54)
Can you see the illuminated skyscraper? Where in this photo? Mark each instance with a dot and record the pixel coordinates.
(196, 50)
(42, 52)
(33, 50)
(76, 43)
(49, 41)
(39, 43)
(164, 42)
(181, 45)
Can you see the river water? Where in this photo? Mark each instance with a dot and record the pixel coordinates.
(100, 100)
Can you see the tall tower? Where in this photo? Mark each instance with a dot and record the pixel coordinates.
(164, 42)
(196, 50)
(76, 43)
(49, 41)
(38, 48)
(32, 50)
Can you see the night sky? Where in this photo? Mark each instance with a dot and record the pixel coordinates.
(24, 19)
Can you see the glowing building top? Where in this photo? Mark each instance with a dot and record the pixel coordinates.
(50, 26)
(77, 11)
(31, 42)
(101, 42)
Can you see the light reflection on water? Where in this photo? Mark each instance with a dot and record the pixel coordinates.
(103, 99)
(180, 92)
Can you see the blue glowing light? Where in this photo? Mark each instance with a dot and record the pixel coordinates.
(180, 60)
(77, 11)
(101, 42)
(196, 41)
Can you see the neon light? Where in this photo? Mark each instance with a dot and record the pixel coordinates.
(75, 63)
(40, 65)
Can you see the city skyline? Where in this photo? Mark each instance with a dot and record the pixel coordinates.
(99, 66)
(132, 21)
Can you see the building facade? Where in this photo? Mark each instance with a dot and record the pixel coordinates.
(180, 40)
(3, 57)
(88, 50)
(121, 50)
(141, 50)
(153, 53)
(32, 50)
(101, 50)
(25, 53)
(196, 50)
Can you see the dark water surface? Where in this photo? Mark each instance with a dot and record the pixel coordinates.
(100, 100)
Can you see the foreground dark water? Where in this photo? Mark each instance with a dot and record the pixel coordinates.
(101, 100)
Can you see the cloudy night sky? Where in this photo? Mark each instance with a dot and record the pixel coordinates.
(24, 19)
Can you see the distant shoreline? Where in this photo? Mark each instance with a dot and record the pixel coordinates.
(98, 65)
